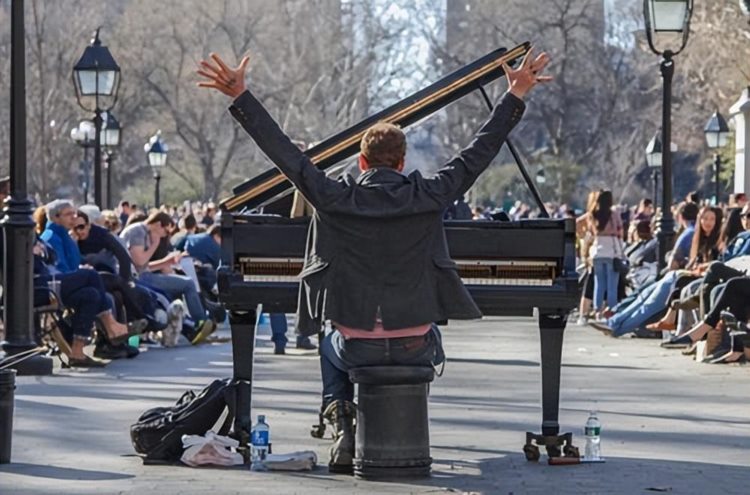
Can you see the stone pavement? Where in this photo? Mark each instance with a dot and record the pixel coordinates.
(669, 424)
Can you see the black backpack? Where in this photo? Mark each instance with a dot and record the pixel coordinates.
(158, 432)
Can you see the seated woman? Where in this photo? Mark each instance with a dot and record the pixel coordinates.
(82, 291)
(656, 297)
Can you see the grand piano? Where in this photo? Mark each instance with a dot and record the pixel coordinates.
(513, 268)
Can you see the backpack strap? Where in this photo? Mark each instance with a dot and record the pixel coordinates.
(230, 398)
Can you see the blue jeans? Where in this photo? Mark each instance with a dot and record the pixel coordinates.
(176, 286)
(278, 329)
(338, 355)
(648, 304)
(606, 279)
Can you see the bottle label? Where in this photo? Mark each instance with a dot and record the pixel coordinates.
(592, 431)
(260, 438)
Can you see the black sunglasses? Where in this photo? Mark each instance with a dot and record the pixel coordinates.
(80, 227)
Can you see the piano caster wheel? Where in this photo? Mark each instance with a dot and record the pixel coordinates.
(553, 451)
(531, 452)
(571, 451)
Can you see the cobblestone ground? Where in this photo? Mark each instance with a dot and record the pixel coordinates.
(669, 424)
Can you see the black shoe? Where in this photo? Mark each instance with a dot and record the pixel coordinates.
(678, 342)
(107, 351)
(717, 356)
(189, 332)
(279, 350)
(306, 345)
(86, 362)
(215, 310)
(132, 351)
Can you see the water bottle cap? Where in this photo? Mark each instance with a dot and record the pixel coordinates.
(261, 418)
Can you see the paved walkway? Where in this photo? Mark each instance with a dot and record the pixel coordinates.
(669, 424)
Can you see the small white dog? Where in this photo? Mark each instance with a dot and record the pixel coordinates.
(175, 314)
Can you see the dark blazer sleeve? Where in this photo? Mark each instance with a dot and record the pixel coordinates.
(121, 254)
(458, 175)
(317, 188)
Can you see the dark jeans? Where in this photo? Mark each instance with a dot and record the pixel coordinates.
(735, 298)
(717, 273)
(125, 294)
(338, 355)
(278, 329)
(83, 292)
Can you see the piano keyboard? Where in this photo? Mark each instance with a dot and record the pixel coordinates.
(512, 273)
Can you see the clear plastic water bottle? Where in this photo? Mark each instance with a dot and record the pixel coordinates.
(592, 431)
(260, 438)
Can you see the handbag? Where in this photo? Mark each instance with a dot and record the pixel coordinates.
(620, 262)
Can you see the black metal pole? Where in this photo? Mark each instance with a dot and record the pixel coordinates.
(85, 166)
(110, 159)
(717, 180)
(98, 158)
(665, 223)
(157, 177)
(655, 178)
(18, 226)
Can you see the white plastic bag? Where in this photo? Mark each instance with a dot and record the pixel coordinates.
(294, 461)
(210, 450)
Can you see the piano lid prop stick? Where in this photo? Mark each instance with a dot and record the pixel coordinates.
(521, 167)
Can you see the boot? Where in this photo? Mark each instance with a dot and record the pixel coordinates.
(340, 414)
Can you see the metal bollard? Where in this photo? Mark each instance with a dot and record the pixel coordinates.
(7, 387)
(392, 439)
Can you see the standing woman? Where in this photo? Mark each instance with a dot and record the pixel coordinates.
(605, 225)
(585, 239)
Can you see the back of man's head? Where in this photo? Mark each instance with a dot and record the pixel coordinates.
(189, 222)
(383, 145)
(689, 212)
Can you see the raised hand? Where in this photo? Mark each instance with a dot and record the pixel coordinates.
(526, 76)
(220, 76)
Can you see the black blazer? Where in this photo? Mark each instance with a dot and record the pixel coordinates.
(377, 242)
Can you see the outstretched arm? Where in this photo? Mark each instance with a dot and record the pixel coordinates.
(458, 175)
(317, 188)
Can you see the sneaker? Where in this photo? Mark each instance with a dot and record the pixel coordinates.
(582, 321)
(305, 344)
(205, 328)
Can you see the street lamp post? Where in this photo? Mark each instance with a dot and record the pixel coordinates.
(156, 151)
(654, 160)
(96, 78)
(110, 140)
(18, 226)
(666, 16)
(717, 136)
(84, 136)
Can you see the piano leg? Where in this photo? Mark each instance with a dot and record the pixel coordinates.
(551, 330)
(243, 354)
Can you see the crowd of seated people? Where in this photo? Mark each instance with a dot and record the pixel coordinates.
(706, 275)
(114, 274)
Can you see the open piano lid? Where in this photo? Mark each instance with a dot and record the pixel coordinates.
(268, 190)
